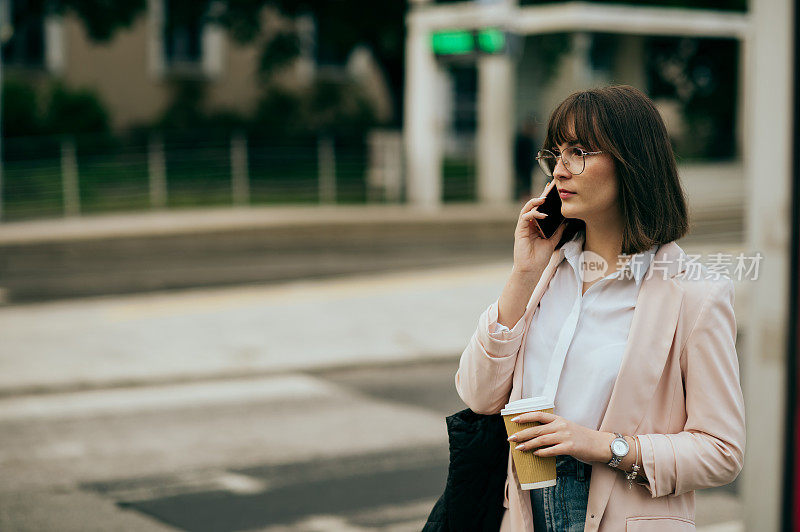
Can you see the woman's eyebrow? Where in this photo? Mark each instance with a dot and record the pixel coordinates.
(570, 143)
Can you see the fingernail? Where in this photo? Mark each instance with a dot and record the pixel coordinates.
(520, 446)
(513, 437)
(515, 419)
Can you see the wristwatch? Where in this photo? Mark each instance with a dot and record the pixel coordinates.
(619, 449)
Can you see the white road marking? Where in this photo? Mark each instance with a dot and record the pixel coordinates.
(163, 397)
(241, 484)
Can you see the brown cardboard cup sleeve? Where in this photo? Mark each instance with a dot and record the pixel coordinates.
(533, 472)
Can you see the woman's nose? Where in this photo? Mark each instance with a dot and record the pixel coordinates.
(561, 170)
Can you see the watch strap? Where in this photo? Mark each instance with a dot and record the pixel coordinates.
(615, 460)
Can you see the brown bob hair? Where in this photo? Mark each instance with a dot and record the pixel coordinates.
(623, 122)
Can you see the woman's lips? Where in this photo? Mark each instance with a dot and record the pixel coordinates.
(565, 194)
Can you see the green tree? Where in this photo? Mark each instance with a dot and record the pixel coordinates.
(75, 111)
(340, 27)
(21, 115)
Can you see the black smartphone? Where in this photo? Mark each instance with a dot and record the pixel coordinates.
(552, 208)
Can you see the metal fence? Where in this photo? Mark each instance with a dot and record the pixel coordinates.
(45, 177)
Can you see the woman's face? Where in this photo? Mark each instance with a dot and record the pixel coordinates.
(595, 189)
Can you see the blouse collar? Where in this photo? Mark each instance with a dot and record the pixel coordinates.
(636, 266)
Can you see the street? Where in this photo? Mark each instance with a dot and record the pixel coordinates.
(336, 450)
(343, 449)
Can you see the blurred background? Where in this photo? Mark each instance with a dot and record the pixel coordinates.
(244, 243)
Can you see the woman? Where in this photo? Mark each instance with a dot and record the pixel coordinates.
(651, 359)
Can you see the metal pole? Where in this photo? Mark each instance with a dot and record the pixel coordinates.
(157, 171)
(240, 181)
(69, 178)
(326, 158)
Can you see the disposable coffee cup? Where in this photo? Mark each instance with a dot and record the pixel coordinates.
(534, 472)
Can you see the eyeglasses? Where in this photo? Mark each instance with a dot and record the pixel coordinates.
(573, 159)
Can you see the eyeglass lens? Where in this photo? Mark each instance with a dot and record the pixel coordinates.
(572, 158)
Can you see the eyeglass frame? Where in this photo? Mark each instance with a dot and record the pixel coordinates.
(583, 156)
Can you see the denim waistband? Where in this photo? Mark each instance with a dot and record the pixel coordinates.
(569, 466)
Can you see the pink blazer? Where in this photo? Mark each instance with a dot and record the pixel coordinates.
(678, 386)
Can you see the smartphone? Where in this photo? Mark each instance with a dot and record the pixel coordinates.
(552, 208)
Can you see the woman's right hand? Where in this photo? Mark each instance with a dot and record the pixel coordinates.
(531, 251)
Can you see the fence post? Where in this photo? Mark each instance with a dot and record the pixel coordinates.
(326, 158)
(157, 171)
(385, 165)
(240, 180)
(69, 178)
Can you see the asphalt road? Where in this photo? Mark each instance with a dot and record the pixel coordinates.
(345, 450)
(32, 272)
(358, 449)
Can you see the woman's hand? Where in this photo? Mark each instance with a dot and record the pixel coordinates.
(531, 251)
(559, 436)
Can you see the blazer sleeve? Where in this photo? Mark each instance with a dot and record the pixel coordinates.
(709, 451)
(486, 369)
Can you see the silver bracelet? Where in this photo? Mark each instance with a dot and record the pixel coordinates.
(631, 476)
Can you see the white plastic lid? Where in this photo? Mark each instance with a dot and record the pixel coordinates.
(520, 406)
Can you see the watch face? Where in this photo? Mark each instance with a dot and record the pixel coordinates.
(619, 447)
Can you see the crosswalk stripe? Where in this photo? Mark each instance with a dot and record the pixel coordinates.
(163, 397)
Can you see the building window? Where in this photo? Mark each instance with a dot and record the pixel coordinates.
(183, 35)
(26, 47)
(183, 42)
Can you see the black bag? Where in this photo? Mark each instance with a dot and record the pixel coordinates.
(473, 496)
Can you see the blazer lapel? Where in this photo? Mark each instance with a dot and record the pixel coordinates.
(650, 338)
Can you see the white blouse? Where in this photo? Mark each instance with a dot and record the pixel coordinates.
(591, 327)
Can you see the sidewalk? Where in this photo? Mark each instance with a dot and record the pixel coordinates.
(242, 331)
(195, 221)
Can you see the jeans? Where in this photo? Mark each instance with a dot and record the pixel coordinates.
(562, 508)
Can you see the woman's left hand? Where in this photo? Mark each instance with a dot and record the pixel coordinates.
(559, 436)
